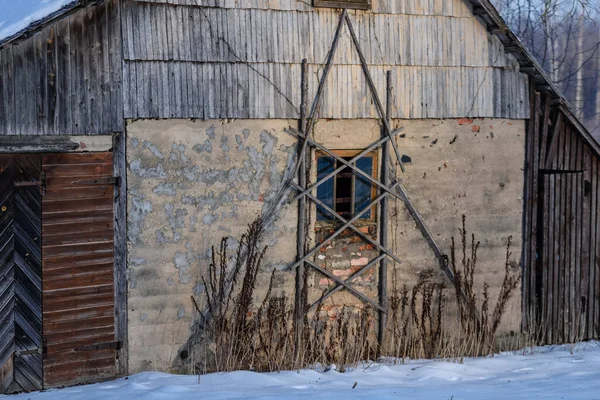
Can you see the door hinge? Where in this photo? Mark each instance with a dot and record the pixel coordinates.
(111, 180)
(20, 353)
(101, 346)
(41, 183)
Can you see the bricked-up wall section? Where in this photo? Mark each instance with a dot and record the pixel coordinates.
(190, 183)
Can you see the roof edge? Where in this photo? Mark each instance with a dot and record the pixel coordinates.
(40, 24)
(485, 10)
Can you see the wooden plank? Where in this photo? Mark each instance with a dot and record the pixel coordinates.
(120, 250)
(596, 221)
(587, 276)
(78, 264)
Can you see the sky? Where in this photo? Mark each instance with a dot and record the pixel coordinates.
(18, 14)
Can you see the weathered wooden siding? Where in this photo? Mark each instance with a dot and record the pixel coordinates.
(456, 8)
(187, 61)
(65, 79)
(561, 282)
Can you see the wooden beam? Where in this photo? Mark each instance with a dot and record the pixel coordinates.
(553, 142)
(120, 251)
(37, 144)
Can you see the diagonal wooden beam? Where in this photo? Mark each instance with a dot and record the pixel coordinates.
(363, 235)
(348, 281)
(554, 141)
(378, 105)
(318, 98)
(341, 229)
(345, 285)
(347, 163)
(442, 258)
(544, 138)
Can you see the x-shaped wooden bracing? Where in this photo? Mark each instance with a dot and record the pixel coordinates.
(396, 189)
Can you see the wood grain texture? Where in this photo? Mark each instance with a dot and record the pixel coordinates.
(79, 268)
(65, 79)
(20, 274)
(215, 61)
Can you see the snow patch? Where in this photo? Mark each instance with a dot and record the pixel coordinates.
(551, 372)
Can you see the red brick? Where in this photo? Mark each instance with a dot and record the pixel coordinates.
(465, 121)
(476, 128)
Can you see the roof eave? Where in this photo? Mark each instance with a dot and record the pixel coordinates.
(38, 25)
(486, 11)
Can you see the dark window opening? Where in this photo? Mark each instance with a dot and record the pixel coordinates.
(347, 193)
(356, 4)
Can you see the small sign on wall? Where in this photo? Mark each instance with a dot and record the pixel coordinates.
(356, 4)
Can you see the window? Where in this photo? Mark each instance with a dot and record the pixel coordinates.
(347, 193)
(359, 4)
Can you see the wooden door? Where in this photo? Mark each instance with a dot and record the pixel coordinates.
(20, 274)
(562, 297)
(78, 269)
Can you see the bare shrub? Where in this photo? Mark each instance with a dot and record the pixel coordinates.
(474, 314)
(239, 336)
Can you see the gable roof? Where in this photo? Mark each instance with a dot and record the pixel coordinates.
(482, 9)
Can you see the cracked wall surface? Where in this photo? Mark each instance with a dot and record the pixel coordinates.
(190, 183)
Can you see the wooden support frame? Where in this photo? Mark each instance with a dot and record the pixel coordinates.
(383, 186)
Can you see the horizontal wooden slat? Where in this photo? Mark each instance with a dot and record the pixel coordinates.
(60, 182)
(80, 356)
(57, 296)
(82, 279)
(76, 170)
(61, 219)
(81, 192)
(99, 332)
(78, 318)
(74, 236)
(51, 160)
(100, 248)
(53, 230)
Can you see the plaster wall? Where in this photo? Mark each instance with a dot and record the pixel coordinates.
(191, 183)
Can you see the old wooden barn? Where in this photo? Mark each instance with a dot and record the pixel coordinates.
(134, 134)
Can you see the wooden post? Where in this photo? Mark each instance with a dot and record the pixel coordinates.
(383, 218)
(120, 254)
(300, 306)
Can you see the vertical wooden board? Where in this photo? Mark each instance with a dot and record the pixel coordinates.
(579, 280)
(67, 254)
(63, 82)
(551, 261)
(596, 222)
(587, 276)
(527, 218)
(120, 250)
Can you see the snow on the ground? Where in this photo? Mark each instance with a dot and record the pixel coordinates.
(552, 372)
(18, 14)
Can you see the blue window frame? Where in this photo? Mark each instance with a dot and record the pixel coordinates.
(347, 193)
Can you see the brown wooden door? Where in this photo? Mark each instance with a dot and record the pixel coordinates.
(78, 269)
